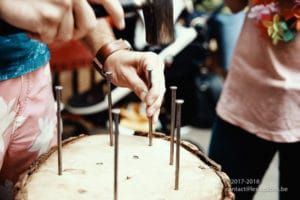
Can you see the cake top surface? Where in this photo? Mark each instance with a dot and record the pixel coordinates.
(143, 172)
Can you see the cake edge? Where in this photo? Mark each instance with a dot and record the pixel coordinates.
(20, 191)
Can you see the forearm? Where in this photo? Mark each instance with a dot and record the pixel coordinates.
(236, 5)
(101, 35)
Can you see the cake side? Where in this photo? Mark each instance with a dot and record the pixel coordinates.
(227, 191)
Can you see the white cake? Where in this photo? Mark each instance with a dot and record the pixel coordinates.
(144, 172)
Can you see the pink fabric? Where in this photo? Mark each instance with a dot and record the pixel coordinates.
(27, 122)
(262, 91)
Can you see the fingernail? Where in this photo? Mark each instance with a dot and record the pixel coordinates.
(155, 118)
(150, 112)
(122, 24)
(150, 101)
(143, 95)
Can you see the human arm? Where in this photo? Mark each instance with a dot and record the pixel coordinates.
(236, 5)
(56, 20)
(129, 68)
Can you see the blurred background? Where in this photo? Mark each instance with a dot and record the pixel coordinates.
(196, 63)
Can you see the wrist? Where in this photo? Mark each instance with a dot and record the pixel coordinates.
(107, 50)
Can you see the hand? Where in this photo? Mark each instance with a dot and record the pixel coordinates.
(129, 69)
(54, 20)
(50, 20)
(115, 10)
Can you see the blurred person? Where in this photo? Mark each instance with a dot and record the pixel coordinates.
(258, 111)
(27, 106)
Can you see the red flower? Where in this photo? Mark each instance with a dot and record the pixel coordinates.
(263, 29)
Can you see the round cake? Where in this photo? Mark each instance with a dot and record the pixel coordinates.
(143, 172)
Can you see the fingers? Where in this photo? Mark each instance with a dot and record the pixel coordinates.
(85, 19)
(154, 101)
(115, 10)
(53, 20)
(76, 21)
(66, 28)
(127, 76)
(58, 20)
(46, 18)
(155, 116)
(156, 93)
(50, 20)
(129, 69)
(153, 97)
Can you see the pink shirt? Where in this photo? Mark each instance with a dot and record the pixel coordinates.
(262, 90)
